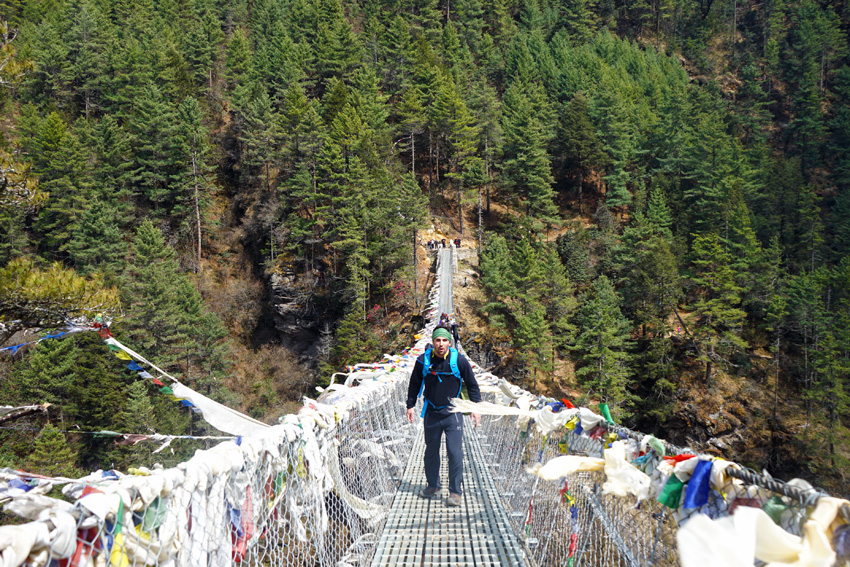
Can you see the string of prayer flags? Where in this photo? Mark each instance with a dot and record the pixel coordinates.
(13, 349)
(122, 353)
(218, 415)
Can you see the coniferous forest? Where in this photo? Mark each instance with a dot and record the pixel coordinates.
(661, 187)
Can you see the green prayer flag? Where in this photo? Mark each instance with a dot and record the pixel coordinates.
(774, 508)
(603, 408)
(154, 515)
(671, 494)
(657, 445)
(167, 390)
(119, 519)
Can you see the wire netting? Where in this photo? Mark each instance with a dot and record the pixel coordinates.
(316, 489)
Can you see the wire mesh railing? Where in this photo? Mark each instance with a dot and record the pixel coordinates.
(316, 488)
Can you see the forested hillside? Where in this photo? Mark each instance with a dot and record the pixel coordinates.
(661, 190)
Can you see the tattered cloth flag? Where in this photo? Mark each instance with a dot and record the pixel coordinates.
(219, 416)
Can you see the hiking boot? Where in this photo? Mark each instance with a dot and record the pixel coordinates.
(453, 500)
(429, 492)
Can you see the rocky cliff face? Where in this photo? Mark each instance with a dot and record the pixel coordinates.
(303, 326)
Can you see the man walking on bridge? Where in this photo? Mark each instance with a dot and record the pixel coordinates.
(440, 373)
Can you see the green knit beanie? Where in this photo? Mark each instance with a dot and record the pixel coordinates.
(441, 332)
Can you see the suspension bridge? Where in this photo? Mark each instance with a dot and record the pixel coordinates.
(336, 485)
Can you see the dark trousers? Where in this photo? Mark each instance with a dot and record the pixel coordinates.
(452, 426)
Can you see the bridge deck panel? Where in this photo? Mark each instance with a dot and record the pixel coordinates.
(421, 532)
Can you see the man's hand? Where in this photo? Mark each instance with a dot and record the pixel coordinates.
(410, 415)
(476, 419)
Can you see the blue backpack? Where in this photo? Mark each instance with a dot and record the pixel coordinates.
(426, 365)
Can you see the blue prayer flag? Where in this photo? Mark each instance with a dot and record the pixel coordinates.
(696, 494)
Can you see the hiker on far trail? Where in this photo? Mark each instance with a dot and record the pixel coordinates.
(440, 374)
(453, 328)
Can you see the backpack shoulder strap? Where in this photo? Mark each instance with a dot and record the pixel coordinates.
(453, 364)
(426, 362)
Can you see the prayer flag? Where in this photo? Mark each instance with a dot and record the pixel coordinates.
(696, 494)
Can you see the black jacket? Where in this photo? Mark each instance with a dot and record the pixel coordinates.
(440, 393)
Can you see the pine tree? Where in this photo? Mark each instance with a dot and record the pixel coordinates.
(496, 279)
(138, 416)
(603, 347)
(86, 39)
(239, 60)
(648, 273)
(577, 140)
(195, 179)
(51, 455)
(157, 160)
(110, 145)
(530, 333)
(60, 166)
(454, 125)
(573, 251)
(97, 242)
(47, 375)
(717, 313)
(527, 172)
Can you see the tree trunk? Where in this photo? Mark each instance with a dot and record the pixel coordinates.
(776, 376)
(460, 205)
(412, 153)
(415, 272)
(581, 192)
(707, 373)
(197, 208)
(480, 223)
(430, 163)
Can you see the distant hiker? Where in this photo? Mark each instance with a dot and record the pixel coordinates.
(440, 374)
(444, 320)
(444, 242)
(453, 327)
(457, 242)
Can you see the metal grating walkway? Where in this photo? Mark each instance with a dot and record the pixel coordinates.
(428, 533)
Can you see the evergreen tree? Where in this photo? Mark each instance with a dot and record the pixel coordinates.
(47, 375)
(454, 126)
(577, 141)
(197, 168)
(35, 298)
(138, 416)
(527, 172)
(110, 145)
(157, 160)
(51, 455)
(165, 315)
(718, 318)
(603, 347)
(97, 243)
(60, 165)
(573, 251)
